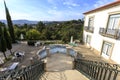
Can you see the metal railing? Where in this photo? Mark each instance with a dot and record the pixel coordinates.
(112, 33)
(98, 70)
(32, 72)
(89, 29)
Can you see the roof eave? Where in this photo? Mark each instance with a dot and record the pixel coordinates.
(103, 7)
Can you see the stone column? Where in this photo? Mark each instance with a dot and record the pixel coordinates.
(48, 51)
(74, 64)
(68, 50)
(31, 60)
(45, 66)
(75, 55)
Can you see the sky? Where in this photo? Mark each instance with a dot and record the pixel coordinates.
(49, 10)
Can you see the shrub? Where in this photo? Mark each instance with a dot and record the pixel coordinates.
(31, 42)
(33, 34)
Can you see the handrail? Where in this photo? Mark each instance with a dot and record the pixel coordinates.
(32, 72)
(98, 70)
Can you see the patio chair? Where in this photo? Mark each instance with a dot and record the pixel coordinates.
(19, 55)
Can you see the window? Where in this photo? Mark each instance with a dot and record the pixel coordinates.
(91, 22)
(114, 21)
(107, 47)
(88, 39)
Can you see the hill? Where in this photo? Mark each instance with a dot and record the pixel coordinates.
(21, 22)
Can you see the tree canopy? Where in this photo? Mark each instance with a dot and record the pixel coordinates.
(33, 34)
(55, 30)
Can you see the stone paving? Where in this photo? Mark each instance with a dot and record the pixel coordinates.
(59, 62)
(64, 75)
(89, 54)
(30, 51)
(60, 67)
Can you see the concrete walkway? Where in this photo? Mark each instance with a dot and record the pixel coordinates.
(60, 67)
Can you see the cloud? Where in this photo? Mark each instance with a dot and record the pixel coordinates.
(54, 7)
(64, 15)
(102, 2)
(70, 4)
(70, 7)
(55, 13)
(51, 1)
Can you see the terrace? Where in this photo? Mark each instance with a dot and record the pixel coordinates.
(86, 66)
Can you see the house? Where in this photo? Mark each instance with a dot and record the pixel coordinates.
(102, 31)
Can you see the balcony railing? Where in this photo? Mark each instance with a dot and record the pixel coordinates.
(112, 33)
(89, 29)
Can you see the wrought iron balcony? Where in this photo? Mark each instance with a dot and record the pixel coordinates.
(89, 29)
(112, 33)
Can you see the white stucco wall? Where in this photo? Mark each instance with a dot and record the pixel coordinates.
(100, 20)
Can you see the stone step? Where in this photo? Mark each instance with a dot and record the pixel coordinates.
(64, 75)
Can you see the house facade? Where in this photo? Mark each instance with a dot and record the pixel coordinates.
(102, 31)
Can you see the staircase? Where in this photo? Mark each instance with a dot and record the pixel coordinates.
(53, 76)
(60, 67)
(63, 75)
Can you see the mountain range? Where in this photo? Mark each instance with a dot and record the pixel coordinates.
(21, 21)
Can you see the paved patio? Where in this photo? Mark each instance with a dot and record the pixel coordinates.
(30, 51)
(89, 54)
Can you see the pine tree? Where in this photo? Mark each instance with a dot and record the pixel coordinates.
(9, 23)
(2, 43)
(0, 37)
(8, 40)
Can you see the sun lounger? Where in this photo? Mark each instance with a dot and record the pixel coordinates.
(13, 66)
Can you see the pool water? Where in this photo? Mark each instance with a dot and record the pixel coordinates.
(56, 49)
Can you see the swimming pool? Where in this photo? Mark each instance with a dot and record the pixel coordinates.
(56, 49)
